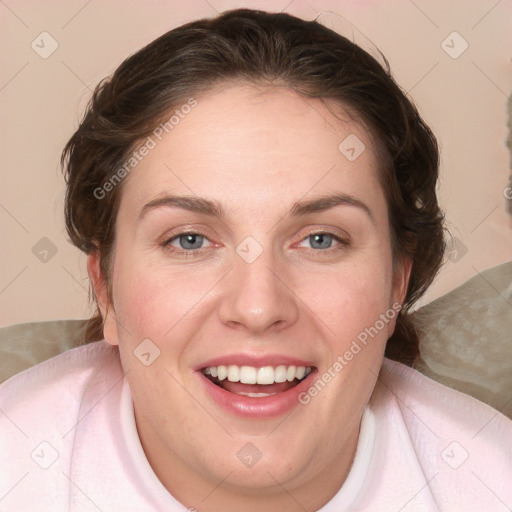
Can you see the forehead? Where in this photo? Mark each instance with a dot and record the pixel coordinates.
(246, 145)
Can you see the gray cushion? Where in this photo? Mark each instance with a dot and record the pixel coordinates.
(466, 338)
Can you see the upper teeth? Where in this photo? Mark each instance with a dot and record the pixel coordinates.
(252, 375)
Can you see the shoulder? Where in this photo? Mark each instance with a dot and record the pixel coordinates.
(42, 408)
(55, 387)
(446, 407)
(461, 446)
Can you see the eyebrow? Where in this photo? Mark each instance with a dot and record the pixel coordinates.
(213, 208)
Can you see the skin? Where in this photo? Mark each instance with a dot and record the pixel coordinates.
(256, 151)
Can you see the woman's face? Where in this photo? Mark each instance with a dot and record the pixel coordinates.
(287, 263)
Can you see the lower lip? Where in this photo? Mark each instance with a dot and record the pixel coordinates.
(257, 407)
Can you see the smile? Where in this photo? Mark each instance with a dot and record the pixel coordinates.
(252, 375)
(256, 391)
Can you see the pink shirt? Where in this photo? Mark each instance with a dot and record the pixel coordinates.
(68, 442)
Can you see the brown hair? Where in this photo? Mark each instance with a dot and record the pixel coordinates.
(260, 48)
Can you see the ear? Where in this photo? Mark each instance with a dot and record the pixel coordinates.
(401, 277)
(110, 332)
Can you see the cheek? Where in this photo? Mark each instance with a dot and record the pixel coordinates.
(349, 299)
(137, 297)
(150, 299)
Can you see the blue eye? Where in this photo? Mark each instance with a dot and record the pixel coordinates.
(186, 244)
(190, 240)
(324, 241)
(191, 244)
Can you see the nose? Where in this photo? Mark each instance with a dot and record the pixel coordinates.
(259, 296)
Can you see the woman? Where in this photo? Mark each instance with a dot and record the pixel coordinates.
(256, 199)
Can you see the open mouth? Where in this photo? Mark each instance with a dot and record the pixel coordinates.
(257, 382)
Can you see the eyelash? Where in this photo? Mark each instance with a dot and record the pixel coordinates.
(194, 252)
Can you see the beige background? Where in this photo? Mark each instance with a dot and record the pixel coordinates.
(41, 100)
